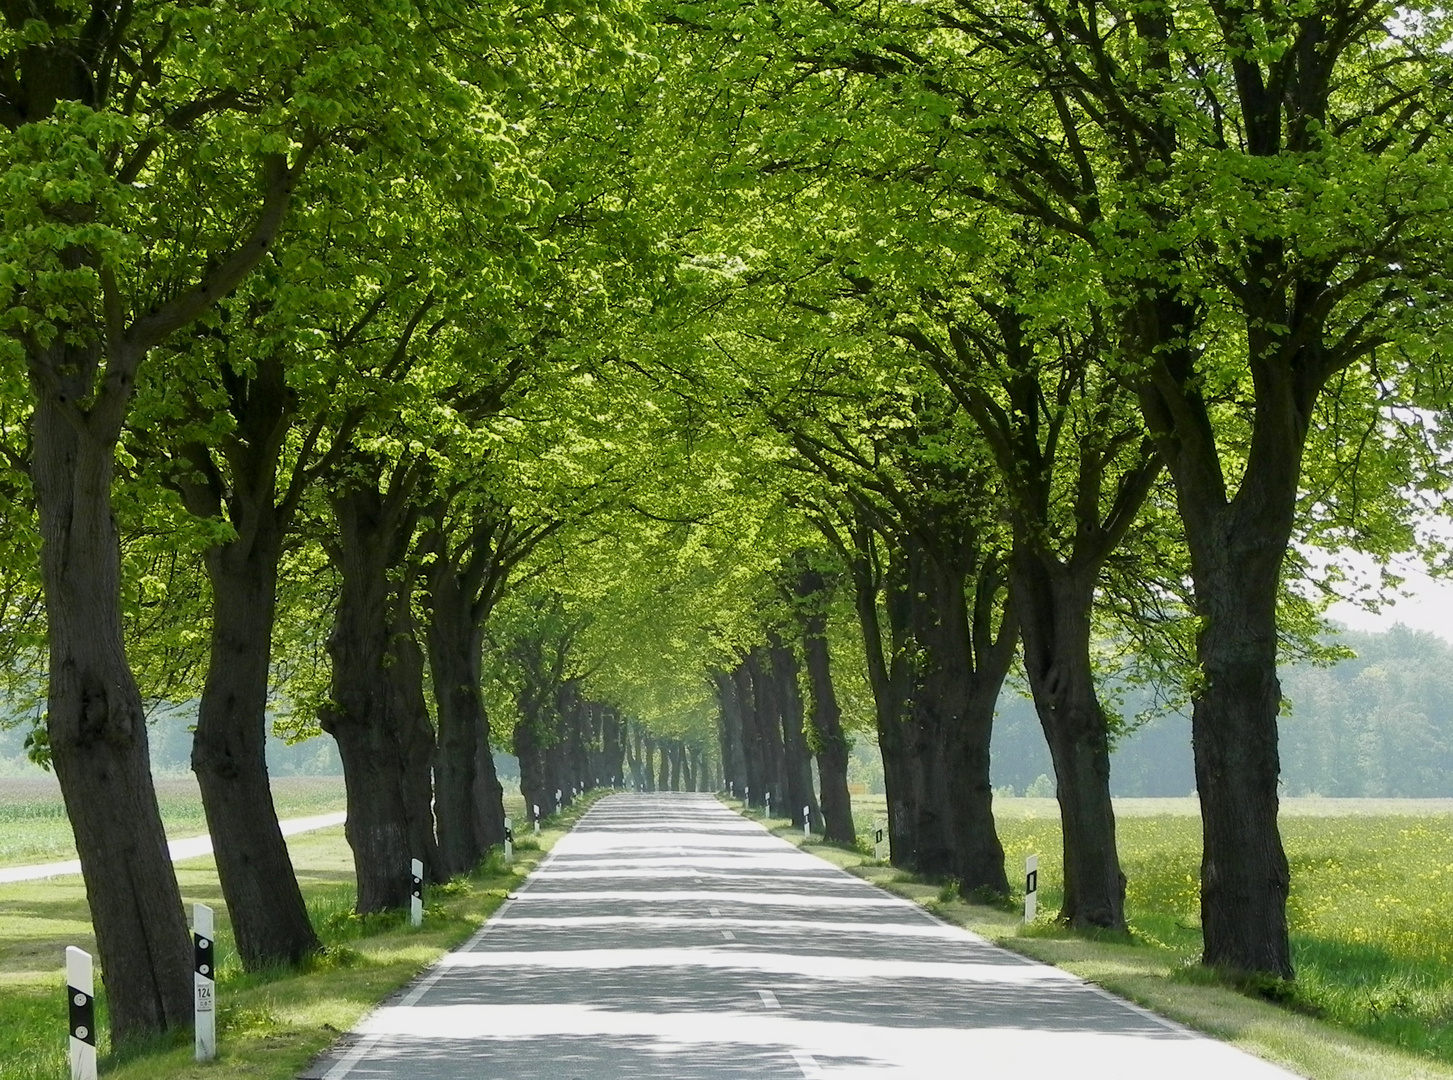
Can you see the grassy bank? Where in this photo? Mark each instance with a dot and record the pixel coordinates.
(34, 828)
(270, 1025)
(1372, 935)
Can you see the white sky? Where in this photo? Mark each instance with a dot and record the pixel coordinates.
(1427, 605)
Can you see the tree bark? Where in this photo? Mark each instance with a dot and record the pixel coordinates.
(1237, 545)
(754, 781)
(96, 726)
(828, 737)
(767, 706)
(797, 757)
(269, 917)
(1245, 879)
(730, 731)
(455, 646)
(375, 712)
(1055, 611)
(938, 704)
(887, 675)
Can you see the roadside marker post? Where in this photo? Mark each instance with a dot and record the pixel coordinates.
(747, 796)
(536, 807)
(558, 803)
(416, 893)
(81, 999)
(204, 979)
(509, 840)
(806, 821)
(880, 839)
(1031, 888)
(769, 805)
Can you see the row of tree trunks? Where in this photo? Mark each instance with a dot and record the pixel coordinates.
(569, 744)
(951, 637)
(765, 741)
(785, 673)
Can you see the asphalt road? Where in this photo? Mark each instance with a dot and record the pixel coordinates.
(667, 937)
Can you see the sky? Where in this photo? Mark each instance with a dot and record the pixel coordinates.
(1428, 605)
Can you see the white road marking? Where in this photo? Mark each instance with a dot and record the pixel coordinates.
(728, 935)
(808, 1064)
(769, 999)
(716, 912)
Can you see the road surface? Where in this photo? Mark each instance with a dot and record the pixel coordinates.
(667, 936)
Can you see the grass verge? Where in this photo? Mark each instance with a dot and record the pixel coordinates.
(1350, 878)
(270, 1024)
(34, 827)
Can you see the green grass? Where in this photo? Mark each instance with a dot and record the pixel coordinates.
(1372, 932)
(270, 1024)
(34, 828)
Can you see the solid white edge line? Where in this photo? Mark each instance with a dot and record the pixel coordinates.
(426, 979)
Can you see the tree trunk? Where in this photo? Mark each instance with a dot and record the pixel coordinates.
(796, 756)
(454, 663)
(534, 771)
(374, 714)
(633, 759)
(825, 716)
(888, 677)
(754, 777)
(938, 704)
(729, 730)
(97, 729)
(978, 854)
(768, 707)
(489, 796)
(1237, 546)
(1055, 613)
(269, 917)
(614, 747)
(1245, 879)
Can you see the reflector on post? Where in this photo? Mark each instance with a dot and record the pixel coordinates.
(81, 998)
(416, 893)
(204, 979)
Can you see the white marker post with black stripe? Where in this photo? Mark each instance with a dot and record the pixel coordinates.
(558, 804)
(416, 893)
(81, 996)
(806, 821)
(880, 839)
(509, 840)
(537, 818)
(204, 979)
(1031, 888)
(769, 805)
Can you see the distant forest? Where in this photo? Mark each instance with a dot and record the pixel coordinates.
(1378, 726)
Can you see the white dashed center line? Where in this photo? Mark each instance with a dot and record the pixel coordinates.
(716, 912)
(728, 935)
(769, 999)
(811, 1070)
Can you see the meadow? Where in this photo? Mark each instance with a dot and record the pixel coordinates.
(34, 829)
(1371, 923)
